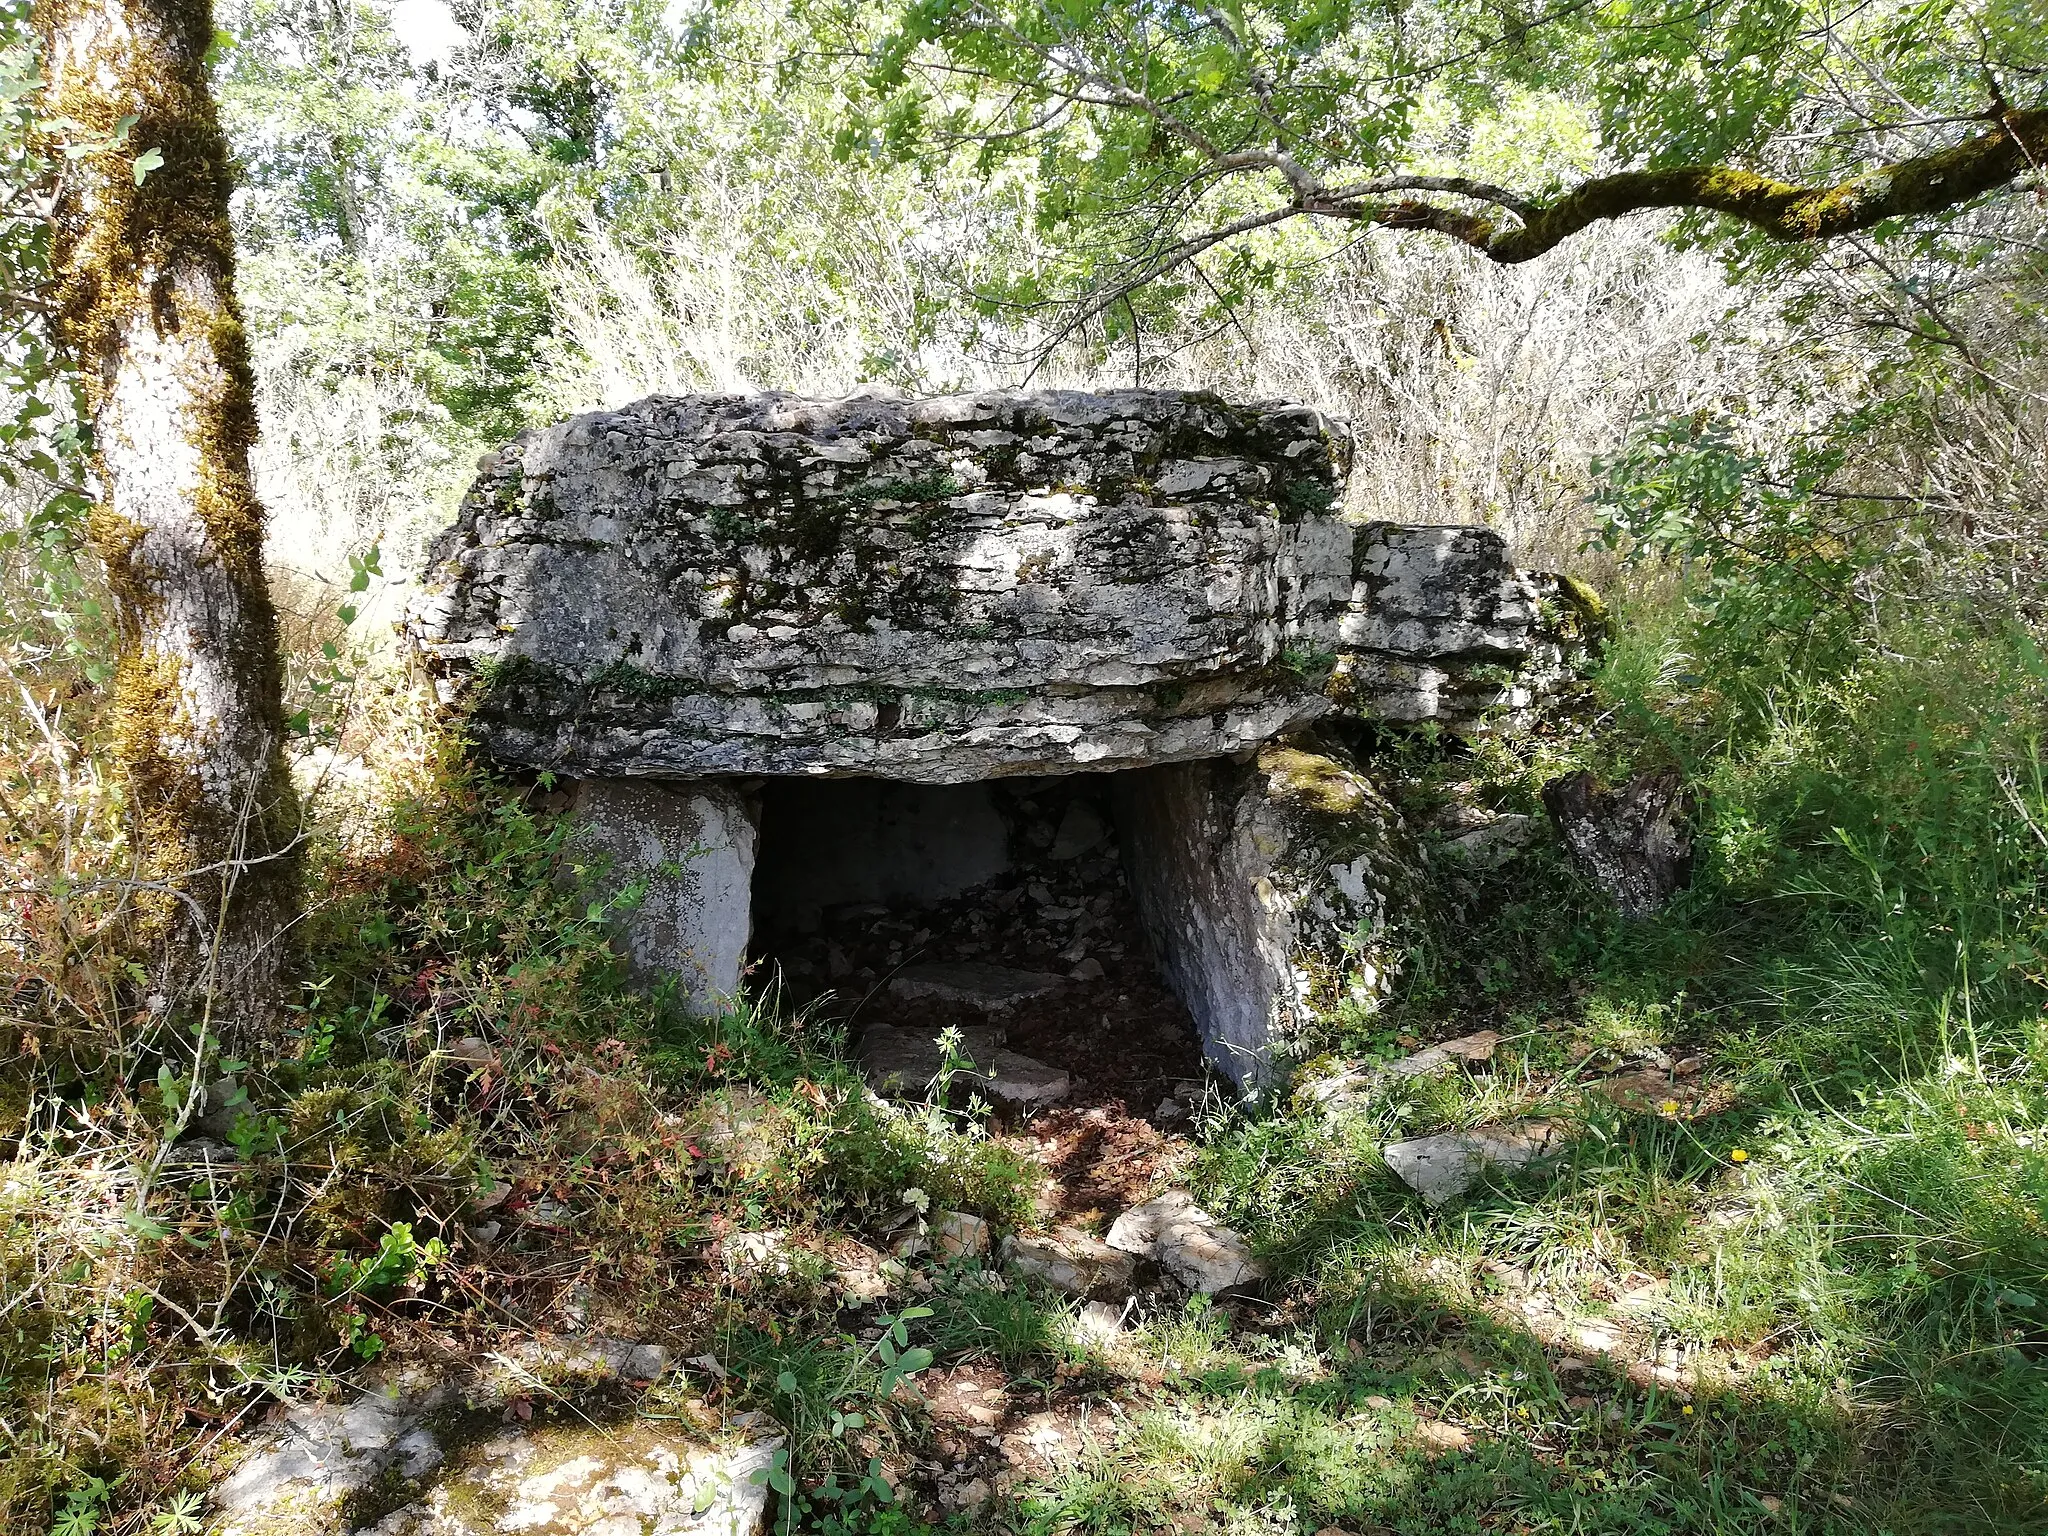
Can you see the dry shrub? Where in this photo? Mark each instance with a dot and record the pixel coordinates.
(1475, 393)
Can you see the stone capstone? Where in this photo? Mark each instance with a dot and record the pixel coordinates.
(935, 590)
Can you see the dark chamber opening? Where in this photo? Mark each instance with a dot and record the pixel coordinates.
(860, 881)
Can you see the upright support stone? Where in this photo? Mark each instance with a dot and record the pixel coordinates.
(693, 844)
(1267, 890)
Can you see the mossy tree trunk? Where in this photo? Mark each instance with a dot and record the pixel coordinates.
(145, 264)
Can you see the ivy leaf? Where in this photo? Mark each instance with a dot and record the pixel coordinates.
(149, 160)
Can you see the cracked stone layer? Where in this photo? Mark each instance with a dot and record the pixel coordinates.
(935, 590)
(1441, 625)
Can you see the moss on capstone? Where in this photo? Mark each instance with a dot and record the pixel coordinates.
(1592, 612)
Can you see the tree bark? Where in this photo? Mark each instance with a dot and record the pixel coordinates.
(146, 307)
(2014, 144)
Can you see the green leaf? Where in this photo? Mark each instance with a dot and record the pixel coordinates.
(149, 160)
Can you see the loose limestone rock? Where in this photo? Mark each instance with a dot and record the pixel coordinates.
(324, 1469)
(1491, 845)
(959, 1235)
(1016, 1082)
(1465, 1050)
(934, 590)
(1440, 1168)
(1346, 1084)
(905, 1064)
(1069, 1260)
(987, 987)
(1187, 1242)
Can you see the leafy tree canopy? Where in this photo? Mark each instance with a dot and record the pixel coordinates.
(1165, 132)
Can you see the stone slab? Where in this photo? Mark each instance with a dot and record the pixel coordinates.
(936, 590)
(694, 847)
(1265, 888)
(1070, 1260)
(1439, 1168)
(904, 1063)
(987, 987)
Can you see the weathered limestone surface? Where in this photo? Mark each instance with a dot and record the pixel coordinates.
(938, 590)
(423, 1456)
(1267, 890)
(1442, 626)
(1187, 1242)
(694, 846)
(1635, 841)
(675, 602)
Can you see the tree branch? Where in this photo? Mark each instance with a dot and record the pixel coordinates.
(1785, 211)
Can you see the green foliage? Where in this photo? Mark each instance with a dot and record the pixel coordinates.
(56, 608)
(1772, 553)
(1165, 144)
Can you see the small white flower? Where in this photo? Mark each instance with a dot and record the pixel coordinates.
(917, 1200)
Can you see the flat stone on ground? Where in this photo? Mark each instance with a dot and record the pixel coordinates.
(902, 1063)
(1442, 1167)
(311, 1472)
(987, 987)
(1187, 1242)
(576, 1481)
(1070, 1260)
(905, 1063)
(320, 1458)
(1463, 1051)
(1018, 1082)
